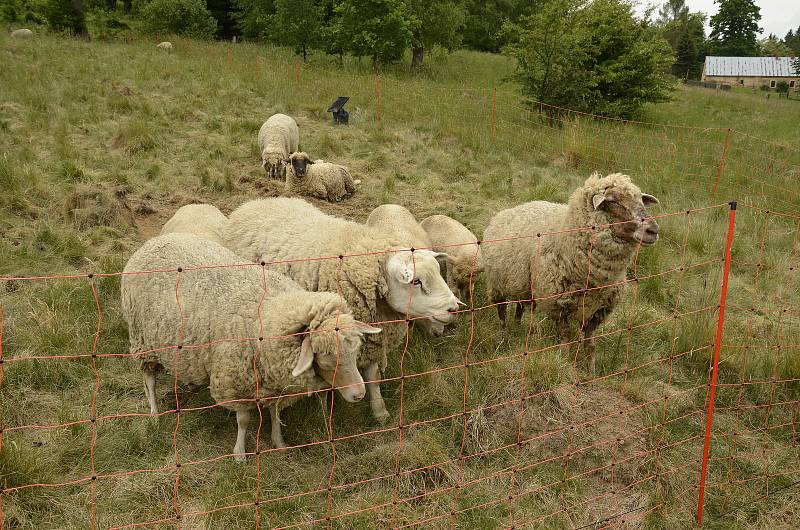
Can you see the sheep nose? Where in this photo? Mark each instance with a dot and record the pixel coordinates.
(358, 396)
(652, 230)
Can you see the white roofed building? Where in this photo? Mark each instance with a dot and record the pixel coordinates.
(751, 72)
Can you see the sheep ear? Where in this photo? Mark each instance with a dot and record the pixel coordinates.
(444, 256)
(306, 357)
(398, 269)
(366, 329)
(649, 200)
(598, 199)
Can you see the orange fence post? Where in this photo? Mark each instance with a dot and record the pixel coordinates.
(721, 166)
(378, 97)
(723, 298)
(494, 107)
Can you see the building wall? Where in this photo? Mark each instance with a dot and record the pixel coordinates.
(750, 82)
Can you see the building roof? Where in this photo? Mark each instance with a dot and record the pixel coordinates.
(750, 66)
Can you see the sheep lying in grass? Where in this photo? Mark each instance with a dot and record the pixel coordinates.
(398, 221)
(278, 138)
(214, 336)
(22, 33)
(202, 220)
(164, 46)
(379, 281)
(598, 232)
(323, 180)
(464, 260)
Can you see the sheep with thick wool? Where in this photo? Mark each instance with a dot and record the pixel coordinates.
(236, 329)
(319, 179)
(464, 261)
(380, 280)
(202, 220)
(278, 138)
(570, 259)
(22, 33)
(166, 45)
(397, 220)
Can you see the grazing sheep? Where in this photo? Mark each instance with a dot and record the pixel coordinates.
(22, 33)
(310, 340)
(164, 46)
(379, 281)
(398, 221)
(323, 180)
(278, 138)
(461, 246)
(202, 220)
(566, 273)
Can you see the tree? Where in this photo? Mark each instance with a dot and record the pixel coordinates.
(298, 23)
(253, 17)
(687, 37)
(66, 15)
(181, 17)
(796, 65)
(792, 40)
(371, 28)
(734, 28)
(591, 57)
(671, 11)
(434, 23)
(484, 21)
(773, 47)
(223, 13)
(685, 56)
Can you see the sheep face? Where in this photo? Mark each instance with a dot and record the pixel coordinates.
(333, 354)
(416, 288)
(300, 162)
(625, 209)
(274, 165)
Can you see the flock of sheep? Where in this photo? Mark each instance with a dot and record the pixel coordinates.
(333, 298)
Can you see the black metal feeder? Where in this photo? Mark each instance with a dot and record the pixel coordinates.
(337, 108)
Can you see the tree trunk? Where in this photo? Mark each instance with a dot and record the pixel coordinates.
(417, 56)
(80, 28)
(304, 53)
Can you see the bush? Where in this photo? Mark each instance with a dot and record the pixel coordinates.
(782, 87)
(181, 17)
(62, 15)
(22, 12)
(107, 25)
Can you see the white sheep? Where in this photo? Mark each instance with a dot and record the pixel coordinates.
(204, 324)
(578, 273)
(202, 220)
(22, 33)
(464, 261)
(397, 220)
(278, 138)
(164, 46)
(380, 282)
(320, 179)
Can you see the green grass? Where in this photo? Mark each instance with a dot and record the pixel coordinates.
(101, 142)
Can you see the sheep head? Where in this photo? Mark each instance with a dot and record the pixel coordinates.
(300, 162)
(274, 164)
(619, 203)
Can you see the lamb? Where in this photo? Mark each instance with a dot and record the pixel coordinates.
(323, 180)
(278, 138)
(461, 246)
(379, 280)
(166, 45)
(203, 220)
(306, 341)
(397, 220)
(577, 274)
(22, 33)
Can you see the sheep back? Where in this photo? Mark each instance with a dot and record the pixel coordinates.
(398, 221)
(202, 220)
(449, 236)
(279, 135)
(323, 180)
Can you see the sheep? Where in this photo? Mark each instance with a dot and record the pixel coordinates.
(461, 246)
(164, 46)
(22, 33)
(397, 220)
(278, 138)
(380, 281)
(565, 274)
(203, 220)
(310, 340)
(323, 180)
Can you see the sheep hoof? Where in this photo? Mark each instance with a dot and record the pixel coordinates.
(239, 459)
(381, 416)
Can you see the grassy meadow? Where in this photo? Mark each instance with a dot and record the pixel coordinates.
(101, 142)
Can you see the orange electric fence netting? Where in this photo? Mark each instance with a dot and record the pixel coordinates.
(489, 428)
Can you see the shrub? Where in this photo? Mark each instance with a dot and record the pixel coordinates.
(64, 15)
(782, 87)
(181, 17)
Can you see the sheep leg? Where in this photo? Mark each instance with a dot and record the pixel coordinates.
(501, 311)
(150, 389)
(519, 312)
(371, 378)
(242, 419)
(275, 420)
(588, 332)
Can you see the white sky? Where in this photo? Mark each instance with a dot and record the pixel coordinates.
(777, 16)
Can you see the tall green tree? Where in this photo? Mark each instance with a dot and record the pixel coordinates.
(434, 23)
(686, 53)
(734, 28)
(671, 11)
(772, 46)
(792, 40)
(485, 19)
(298, 23)
(66, 15)
(593, 57)
(378, 29)
(253, 18)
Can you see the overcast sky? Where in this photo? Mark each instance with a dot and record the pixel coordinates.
(777, 16)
